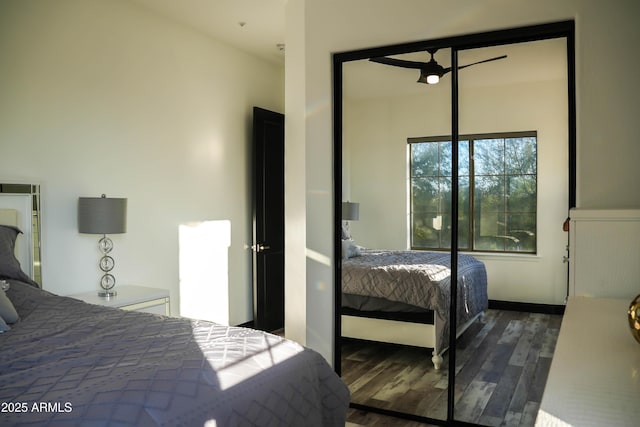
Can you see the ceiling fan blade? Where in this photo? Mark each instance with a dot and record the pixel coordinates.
(448, 69)
(480, 62)
(398, 62)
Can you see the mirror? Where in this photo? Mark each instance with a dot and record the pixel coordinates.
(20, 205)
(513, 125)
(381, 114)
(388, 336)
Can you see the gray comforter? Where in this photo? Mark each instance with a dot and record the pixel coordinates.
(420, 279)
(71, 363)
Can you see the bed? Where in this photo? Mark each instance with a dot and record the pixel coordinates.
(66, 362)
(403, 296)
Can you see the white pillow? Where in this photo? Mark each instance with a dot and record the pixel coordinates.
(3, 326)
(7, 310)
(345, 232)
(350, 249)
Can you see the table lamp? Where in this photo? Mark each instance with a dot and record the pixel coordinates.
(103, 215)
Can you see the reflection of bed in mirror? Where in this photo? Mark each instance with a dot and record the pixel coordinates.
(402, 297)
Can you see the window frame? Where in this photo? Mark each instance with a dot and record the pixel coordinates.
(471, 229)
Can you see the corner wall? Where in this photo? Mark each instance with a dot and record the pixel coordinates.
(607, 108)
(377, 172)
(109, 97)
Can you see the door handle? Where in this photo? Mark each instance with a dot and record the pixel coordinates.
(259, 247)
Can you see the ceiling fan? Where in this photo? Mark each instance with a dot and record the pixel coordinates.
(430, 72)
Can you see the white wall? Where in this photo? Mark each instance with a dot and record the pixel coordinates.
(108, 97)
(376, 168)
(607, 91)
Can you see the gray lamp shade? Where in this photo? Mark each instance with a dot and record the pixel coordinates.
(350, 211)
(102, 215)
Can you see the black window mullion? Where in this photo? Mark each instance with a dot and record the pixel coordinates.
(472, 196)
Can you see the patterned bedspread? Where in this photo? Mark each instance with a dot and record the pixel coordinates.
(71, 363)
(421, 279)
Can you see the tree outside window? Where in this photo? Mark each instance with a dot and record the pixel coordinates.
(497, 194)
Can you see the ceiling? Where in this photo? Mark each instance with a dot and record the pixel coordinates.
(258, 28)
(254, 26)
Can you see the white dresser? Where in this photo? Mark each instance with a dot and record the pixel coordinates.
(594, 378)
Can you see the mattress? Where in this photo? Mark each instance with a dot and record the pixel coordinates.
(419, 279)
(66, 362)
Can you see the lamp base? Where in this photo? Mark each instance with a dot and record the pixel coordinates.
(107, 294)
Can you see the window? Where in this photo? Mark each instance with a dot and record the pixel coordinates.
(497, 195)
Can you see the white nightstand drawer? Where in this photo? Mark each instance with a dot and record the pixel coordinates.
(129, 297)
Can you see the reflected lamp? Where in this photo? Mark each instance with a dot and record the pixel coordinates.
(350, 212)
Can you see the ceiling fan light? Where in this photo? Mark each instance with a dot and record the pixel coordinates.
(433, 79)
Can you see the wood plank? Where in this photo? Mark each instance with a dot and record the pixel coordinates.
(496, 362)
(483, 351)
(521, 392)
(470, 406)
(370, 384)
(364, 373)
(491, 421)
(358, 418)
(512, 419)
(529, 413)
(502, 366)
(548, 342)
(438, 407)
(419, 402)
(512, 332)
(499, 402)
(398, 385)
(539, 379)
(521, 351)
(488, 322)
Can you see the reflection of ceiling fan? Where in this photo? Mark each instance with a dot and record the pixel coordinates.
(430, 72)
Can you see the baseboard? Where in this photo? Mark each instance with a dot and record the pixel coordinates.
(494, 304)
(526, 307)
(248, 324)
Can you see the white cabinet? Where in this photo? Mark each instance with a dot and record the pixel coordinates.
(604, 253)
(138, 298)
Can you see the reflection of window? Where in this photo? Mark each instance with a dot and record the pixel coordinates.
(497, 192)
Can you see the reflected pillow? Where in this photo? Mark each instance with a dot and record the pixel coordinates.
(3, 326)
(8, 312)
(9, 264)
(349, 249)
(345, 232)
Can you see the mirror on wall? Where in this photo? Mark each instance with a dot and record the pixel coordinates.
(388, 334)
(514, 187)
(395, 185)
(20, 206)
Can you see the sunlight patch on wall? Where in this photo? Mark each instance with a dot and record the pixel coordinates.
(204, 270)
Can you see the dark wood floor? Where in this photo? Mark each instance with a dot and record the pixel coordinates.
(502, 364)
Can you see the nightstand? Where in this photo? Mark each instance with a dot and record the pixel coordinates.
(137, 298)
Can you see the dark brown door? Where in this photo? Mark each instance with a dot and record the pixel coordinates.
(268, 219)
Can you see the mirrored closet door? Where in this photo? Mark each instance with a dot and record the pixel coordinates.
(514, 191)
(388, 329)
(417, 208)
